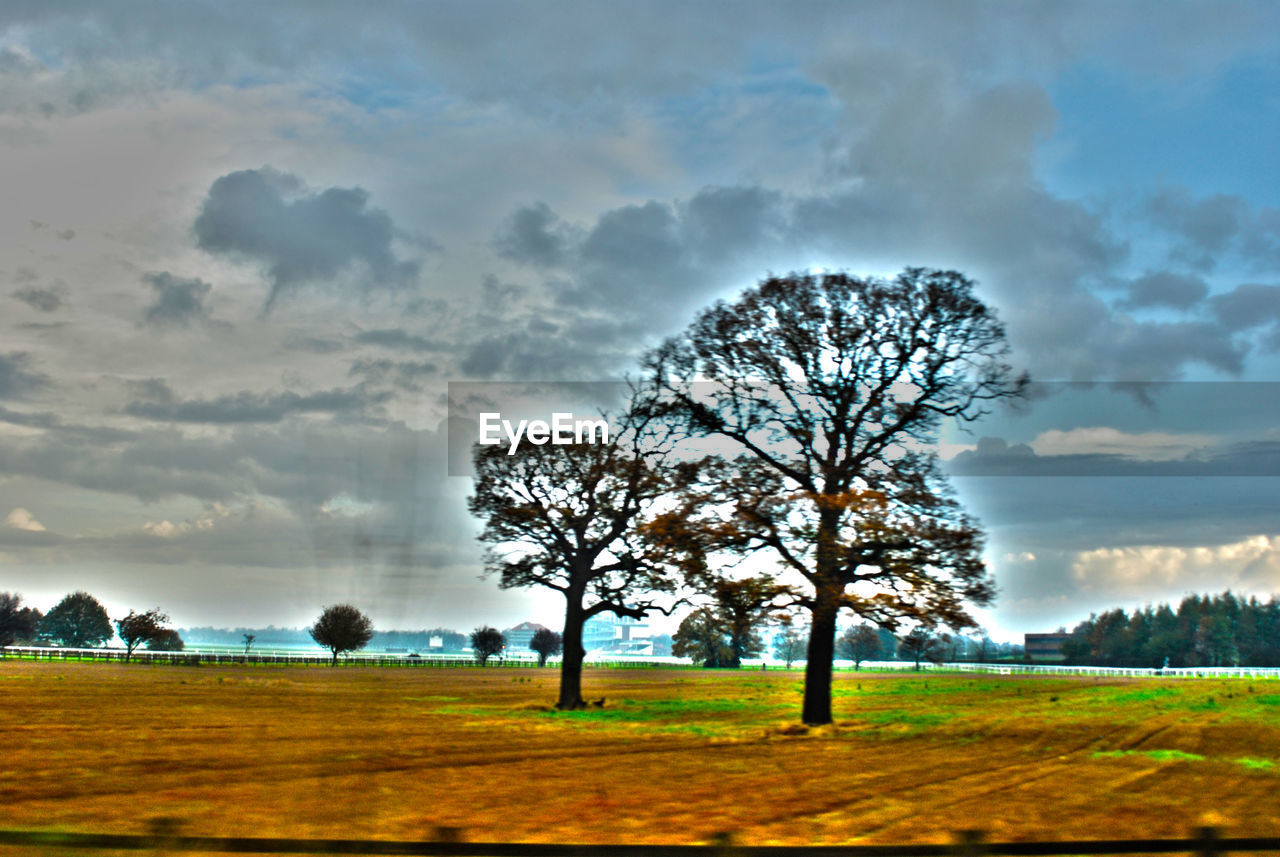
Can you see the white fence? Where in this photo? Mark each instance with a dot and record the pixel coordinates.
(195, 656)
(1060, 669)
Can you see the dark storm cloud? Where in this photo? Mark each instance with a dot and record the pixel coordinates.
(298, 340)
(649, 267)
(1248, 305)
(1165, 289)
(995, 457)
(404, 375)
(246, 407)
(1150, 349)
(45, 300)
(52, 422)
(533, 235)
(302, 237)
(1209, 229)
(488, 357)
(17, 378)
(645, 266)
(179, 301)
(395, 337)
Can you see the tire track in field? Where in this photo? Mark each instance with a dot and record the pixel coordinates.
(312, 769)
(877, 788)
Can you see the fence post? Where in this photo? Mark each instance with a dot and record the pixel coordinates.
(724, 844)
(164, 831)
(1207, 842)
(444, 833)
(971, 843)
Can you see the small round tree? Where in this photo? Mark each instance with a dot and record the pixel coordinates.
(859, 643)
(702, 638)
(167, 640)
(920, 645)
(546, 643)
(77, 621)
(342, 628)
(486, 642)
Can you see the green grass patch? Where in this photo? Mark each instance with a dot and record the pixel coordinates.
(668, 709)
(1254, 764)
(1155, 755)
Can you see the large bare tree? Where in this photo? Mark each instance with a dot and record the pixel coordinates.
(573, 518)
(827, 391)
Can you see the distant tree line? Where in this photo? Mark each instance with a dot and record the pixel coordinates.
(1204, 631)
(270, 636)
(80, 621)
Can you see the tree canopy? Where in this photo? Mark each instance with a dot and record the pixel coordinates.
(921, 644)
(77, 621)
(16, 622)
(166, 640)
(1202, 631)
(487, 642)
(859, 643)
(722, 634)
(826, 392)
(342, 628)
(790, 645)
(546, 643)
(701, 638)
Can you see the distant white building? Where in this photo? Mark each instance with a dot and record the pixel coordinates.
(519, 637)
(617, 634)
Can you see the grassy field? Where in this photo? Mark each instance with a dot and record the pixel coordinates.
(673, 756)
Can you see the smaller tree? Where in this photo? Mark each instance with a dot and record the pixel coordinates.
(138, 628)
(859, 643)
(702, 638)
(16, 622)
(487, 642)
(342, 628)
(166, 640)
(920, 644)
(78, 620)
(248, 642)
(984, 646)
(546, 643)
(741, 607)
(790, 646)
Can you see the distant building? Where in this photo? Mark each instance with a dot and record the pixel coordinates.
(519, 637)
(617, 634)
(1045, 647)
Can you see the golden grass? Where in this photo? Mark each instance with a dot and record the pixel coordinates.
(674, 756)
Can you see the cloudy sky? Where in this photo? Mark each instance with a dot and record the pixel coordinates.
(244, 247)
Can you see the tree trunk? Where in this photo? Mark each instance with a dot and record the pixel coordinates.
(817, 670)
(571, 664)
(822, 633)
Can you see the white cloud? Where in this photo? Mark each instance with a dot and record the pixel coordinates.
(1147, 446)
(164, 529)
(1249, 566)
(21, 519)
